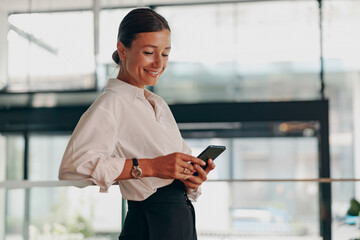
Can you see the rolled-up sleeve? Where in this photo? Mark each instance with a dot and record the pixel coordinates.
(90, 154)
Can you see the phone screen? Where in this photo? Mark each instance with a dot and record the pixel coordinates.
(212, 152)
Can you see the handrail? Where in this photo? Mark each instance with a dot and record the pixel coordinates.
(320, 180)
(30, 184)
(10, 184)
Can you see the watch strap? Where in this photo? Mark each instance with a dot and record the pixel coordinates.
(135, 162)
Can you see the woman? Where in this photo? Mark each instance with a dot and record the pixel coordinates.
(129, 136)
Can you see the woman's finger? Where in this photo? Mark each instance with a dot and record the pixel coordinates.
(201, 172)
(191, 184)
(183, 173)
(210, 166)
(187, 171)
(187, 165)
(186, 177)
(183, 176)
(189, 158)
(195, 181)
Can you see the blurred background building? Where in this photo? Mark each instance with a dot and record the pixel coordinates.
(245, 58)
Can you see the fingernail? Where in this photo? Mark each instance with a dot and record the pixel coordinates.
(203, 163)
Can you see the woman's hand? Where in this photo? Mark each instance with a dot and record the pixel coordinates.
(178, 166)
(194, 182)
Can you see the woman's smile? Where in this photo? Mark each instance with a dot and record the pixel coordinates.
(152, 73)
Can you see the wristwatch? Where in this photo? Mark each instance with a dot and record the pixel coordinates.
(136, 172)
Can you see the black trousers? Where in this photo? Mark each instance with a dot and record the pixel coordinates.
(166, 215)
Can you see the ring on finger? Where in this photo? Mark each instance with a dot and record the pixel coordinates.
(186, 171)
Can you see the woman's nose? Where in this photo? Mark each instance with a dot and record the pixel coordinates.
(158, 61)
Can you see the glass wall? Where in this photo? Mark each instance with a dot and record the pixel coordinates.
(109, 21)
(14, 147)
(62, 213)
(254, 208)
(242, 52)
(341, 54)
(260, 208)
(2, 178)
(45, 154)
(52, 212)
(58, 55)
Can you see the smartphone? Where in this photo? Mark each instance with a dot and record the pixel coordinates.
(212, 151)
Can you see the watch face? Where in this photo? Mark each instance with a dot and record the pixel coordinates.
(136, 172)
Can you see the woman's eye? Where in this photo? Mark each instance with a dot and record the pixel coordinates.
(148, 53)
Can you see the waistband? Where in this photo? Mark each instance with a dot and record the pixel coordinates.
(173, 193)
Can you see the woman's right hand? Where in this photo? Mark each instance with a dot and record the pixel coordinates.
(175, 166)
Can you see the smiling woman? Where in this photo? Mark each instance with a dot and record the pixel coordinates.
(128, 122)
(143, 48)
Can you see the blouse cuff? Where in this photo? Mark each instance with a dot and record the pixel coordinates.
(105, 174)
(193, 194)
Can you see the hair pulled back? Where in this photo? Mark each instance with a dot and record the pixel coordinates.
(138, 21)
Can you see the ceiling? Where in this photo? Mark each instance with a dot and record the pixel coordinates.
(41, 5)
(10, 6)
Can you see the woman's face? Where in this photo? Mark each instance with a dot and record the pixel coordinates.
(147, 58)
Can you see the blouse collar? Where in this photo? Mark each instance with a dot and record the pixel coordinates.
(122, 87)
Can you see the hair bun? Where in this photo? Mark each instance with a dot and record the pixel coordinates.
(115, 57)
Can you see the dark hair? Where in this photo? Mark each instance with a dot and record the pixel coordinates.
(138, 21)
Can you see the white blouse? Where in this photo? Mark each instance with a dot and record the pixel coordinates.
(123, 122)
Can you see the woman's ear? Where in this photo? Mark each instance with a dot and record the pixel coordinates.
(121, 50)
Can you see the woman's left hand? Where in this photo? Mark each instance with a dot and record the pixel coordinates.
(195, 181)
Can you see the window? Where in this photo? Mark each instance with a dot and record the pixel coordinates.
(52, 212)
(242, 52)
(109, 22)
(260, 207)
(58, 55)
